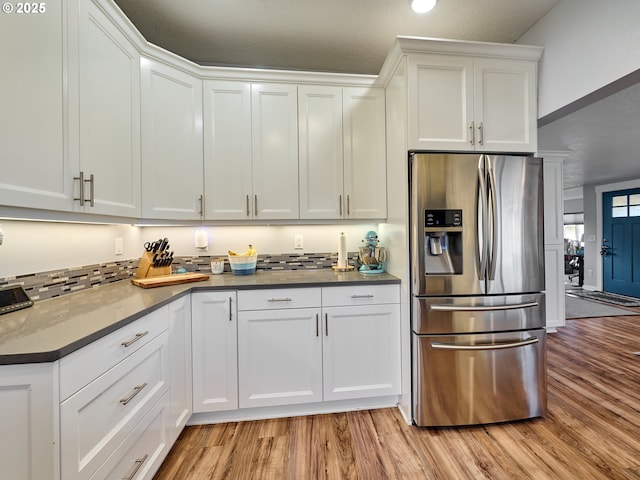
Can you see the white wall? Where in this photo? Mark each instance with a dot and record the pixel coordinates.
(31, 247)
(588, 44)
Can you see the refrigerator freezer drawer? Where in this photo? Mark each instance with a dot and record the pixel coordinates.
(478, 314)
(478, 379)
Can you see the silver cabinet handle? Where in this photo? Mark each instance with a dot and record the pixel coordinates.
(137, 337)
(255, 205)
(471, 134)
(136, 390)
(248, 208)
(230, 309)
(348, 206)
(80, 179)
(326, 324)
(92, 195)
(201, 200)
(480, 308)
(136, 466)
(340, 204)
(494, 346)
(317, 326)
(481, 132)
(362, 296)
(271, 300)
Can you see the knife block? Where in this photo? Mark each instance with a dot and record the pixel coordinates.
(147, 270)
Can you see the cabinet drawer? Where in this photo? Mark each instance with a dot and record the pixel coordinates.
(360, 295)
(140, 455)
(95, 420)
(279, 298)
(88, 363)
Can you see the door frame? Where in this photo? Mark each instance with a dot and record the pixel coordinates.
(600, 189)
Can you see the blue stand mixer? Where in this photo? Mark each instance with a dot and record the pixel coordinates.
(371, 257)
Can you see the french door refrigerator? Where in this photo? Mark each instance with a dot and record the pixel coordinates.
(477, 281)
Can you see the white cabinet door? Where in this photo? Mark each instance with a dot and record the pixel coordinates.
(472, 104)
(172, 162)
(321, 152)
(361, 351)
(279, 357)
(440, 103)
(28, 422)
(274, 122)
(109, 116)
(227, 153)
(505, 105)
(180, 361)
(35, 167)
(214, 350)
(365, 165)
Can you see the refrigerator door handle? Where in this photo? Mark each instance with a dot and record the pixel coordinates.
(480, 308)
(493, 208)
(481, 233)
(489, 346)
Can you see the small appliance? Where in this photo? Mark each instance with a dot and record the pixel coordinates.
(372, 256)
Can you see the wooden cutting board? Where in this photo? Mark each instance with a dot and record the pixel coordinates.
(165, 280)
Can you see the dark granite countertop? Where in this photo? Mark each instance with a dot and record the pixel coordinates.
(53, 328)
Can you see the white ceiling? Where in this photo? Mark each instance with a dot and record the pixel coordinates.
(347, 36)
(354, 36)
(602, 139)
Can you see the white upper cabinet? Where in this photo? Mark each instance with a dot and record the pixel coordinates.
(321, 153)
(172, 152)
(227, 153)
(251, 151)
(35, 166)
(274, 126)
(342, 152)
(464, 104)
(505, 105)
(109, 117)
(365, 164)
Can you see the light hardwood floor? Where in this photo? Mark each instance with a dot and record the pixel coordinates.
(592, 430)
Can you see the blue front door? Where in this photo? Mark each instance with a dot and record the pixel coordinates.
(621, 242)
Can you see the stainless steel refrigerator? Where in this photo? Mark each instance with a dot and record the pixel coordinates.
(478, 306)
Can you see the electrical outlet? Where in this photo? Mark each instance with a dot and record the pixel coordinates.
(298, 242)
(119, 248)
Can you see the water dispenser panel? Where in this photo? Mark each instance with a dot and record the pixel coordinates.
(443, 218)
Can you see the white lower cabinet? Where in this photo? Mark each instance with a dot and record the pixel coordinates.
(140, 455)
(279, 357)
(97, 419)
(27, 422)
(308, 345)
(214, 350)
(180, 371)
(361, 354)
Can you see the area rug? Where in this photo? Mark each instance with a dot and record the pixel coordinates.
(581, 308)
(616, 299)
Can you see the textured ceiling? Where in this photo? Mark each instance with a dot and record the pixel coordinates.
(347, 36)
(602, 140)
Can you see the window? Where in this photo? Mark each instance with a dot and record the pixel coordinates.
(625, 206)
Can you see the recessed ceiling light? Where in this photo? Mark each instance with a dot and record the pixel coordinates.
(422, 6)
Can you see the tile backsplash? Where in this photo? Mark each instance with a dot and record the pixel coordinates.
(54, 283)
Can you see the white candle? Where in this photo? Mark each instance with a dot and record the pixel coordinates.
(342, 251)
